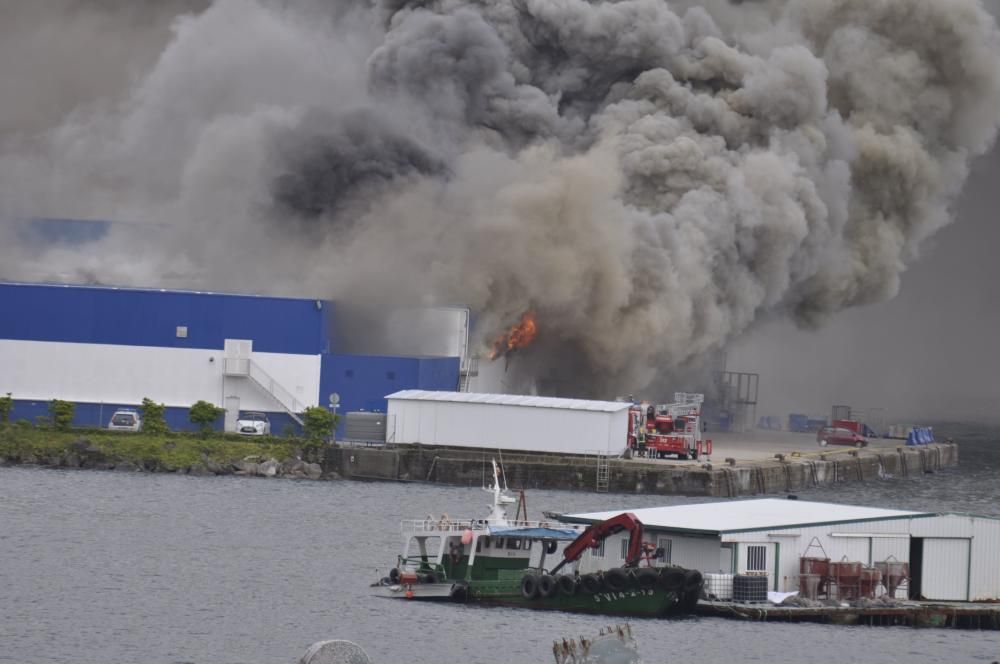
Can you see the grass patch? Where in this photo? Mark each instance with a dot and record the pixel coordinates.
(171, 451)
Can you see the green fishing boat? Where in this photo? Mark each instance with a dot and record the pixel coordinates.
(534, 564)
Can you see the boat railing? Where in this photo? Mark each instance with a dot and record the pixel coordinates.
(418, 564)
(445, 524)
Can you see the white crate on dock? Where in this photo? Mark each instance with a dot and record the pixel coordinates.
(718, 586)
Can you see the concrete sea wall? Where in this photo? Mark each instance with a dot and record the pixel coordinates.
(720, 480)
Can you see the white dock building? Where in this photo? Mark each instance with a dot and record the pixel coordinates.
(949, 556)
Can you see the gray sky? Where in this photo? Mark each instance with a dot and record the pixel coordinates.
(930, 353)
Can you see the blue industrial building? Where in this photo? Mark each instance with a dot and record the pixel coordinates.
(105, 347)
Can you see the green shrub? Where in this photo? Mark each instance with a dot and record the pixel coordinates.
(62, 413)
(153, 420)
(6, 405)
(318, 422)
(204, 415)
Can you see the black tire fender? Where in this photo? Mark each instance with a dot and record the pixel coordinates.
(692, 581)
(646, 578)
(567, 584)
(550, 547)
(616, 579)
(529, 586)
(546, 585)
(672, 579)
(590, 583)
(394, 575)
(459, 592)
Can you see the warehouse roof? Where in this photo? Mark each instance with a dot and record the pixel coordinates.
(510, 400)
(746, 515)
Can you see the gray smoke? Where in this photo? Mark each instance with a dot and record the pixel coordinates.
(649, 178)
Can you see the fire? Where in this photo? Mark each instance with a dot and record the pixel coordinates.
(518, 336)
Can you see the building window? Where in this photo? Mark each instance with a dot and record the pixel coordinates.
(349, 373)
(390, 375)
(625, 544)
(757, 558)
(182, 331)
(513, 543)
(664, 550)
(598, 551)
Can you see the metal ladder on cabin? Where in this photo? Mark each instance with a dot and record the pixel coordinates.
(468, 369)
(603, 473)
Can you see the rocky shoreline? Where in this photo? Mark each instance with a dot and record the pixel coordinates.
(83, 453)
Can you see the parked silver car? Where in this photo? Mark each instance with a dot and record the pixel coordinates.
(125, 419)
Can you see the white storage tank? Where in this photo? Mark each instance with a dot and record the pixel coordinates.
(507, 422)
(718, 586)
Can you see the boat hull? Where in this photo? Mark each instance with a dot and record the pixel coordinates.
(630, 602)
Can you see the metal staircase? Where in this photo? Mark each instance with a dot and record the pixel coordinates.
(603, 473)
(247, 368)
(469, 368)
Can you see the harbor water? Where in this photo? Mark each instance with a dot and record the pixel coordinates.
(115, 568)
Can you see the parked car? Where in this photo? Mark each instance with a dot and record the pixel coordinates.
(125, 419)
(252, 423)
(839, 436)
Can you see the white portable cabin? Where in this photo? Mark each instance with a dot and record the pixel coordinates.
(951, 556)
(507, 422)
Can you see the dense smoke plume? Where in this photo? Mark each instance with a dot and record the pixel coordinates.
(649, 178)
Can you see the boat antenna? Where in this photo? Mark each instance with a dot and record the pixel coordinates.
(503, 473)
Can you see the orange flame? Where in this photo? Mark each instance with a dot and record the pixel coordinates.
(518, 336)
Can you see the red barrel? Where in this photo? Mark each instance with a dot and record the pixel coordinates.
(818, 566)
(896, 574)
(847, 575)
(870, 579)
(809, 585)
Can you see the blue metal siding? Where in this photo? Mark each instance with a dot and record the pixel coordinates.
(83, 314)
(98, 415)
(362, 381)
(438, 373)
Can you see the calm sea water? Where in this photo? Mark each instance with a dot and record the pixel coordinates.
(109, 568)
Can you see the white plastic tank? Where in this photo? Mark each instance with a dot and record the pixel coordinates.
(718, 586)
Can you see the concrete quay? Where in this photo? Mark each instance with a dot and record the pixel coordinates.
(740, 465)
(959, 615)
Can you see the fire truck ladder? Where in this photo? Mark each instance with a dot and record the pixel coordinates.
(603, 472)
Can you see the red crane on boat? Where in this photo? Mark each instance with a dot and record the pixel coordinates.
(592, 537)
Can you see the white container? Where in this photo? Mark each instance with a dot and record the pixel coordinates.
(507, 422)
(718, 586)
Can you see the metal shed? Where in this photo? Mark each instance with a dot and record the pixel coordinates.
(951, 556)
(507, 422)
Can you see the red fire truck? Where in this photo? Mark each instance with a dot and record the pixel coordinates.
(674, 428)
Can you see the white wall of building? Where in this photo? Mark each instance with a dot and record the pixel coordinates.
(508, 427)
(689, 552)
(953, 542)
(960, 552)
(865, 542)
(96, 373)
